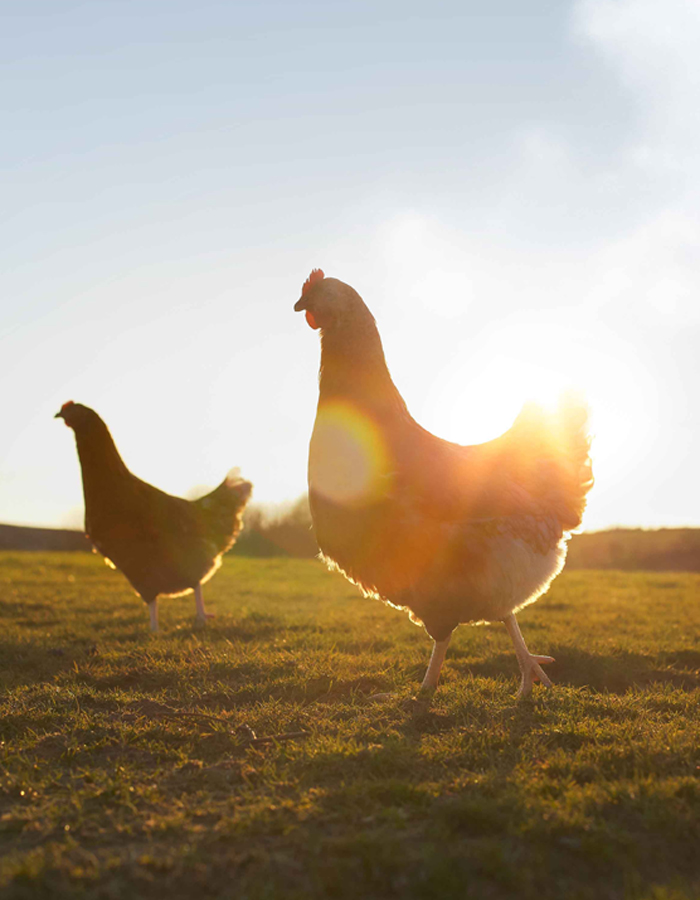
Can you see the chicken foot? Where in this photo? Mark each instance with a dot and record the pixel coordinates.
(530, 665)
(429, 683)
(202, 614)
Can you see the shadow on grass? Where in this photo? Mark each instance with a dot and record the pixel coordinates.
(611, 673)
(685, 658)
(27, 663)
(253, 627)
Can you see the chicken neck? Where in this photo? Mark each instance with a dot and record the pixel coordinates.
(103, 468)
(353, 367)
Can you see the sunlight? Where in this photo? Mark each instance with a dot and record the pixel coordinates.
(478, 391)
(489, 402)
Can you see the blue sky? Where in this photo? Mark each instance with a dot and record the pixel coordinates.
(512, 188)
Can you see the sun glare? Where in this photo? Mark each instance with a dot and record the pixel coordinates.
(476, 396)
(348, 455)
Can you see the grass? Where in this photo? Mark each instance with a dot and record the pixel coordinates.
(589, 791)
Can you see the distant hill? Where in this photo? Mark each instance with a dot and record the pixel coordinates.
(20, 537)
(631, 549)
(634, 549)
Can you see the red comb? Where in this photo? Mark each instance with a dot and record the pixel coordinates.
(316, 275)
(66, 405)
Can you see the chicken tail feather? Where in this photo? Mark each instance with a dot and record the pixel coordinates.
(223, 508)
(556, 452)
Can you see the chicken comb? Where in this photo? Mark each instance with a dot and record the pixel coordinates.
(66, 405)
(316, 275)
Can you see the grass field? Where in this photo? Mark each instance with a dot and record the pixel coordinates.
(114, 783)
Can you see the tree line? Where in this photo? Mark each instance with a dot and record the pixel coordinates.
(286, 530)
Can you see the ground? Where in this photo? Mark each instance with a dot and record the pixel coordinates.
(115, 784)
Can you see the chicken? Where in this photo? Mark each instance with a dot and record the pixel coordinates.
(163, 544)
(452, 534)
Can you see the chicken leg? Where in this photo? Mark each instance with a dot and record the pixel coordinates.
(530, 665)
(437, 657)
(153, 610)
(202, 614)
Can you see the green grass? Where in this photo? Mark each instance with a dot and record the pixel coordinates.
(591, 790)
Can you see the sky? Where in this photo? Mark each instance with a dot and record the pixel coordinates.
(511, 187)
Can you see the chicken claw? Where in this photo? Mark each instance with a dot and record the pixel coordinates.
(531, 672)
(530, 665)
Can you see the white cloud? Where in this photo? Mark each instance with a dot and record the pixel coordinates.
(654, 44)
(655, 268)
(653, 47)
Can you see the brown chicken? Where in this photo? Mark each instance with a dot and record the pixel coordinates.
(163, 544)
(452, 534)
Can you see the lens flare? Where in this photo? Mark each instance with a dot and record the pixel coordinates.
(349, 460)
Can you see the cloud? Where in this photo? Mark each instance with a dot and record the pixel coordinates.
(653, 48)
(653, 45)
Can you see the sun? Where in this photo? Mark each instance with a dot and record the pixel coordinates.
(476, 399)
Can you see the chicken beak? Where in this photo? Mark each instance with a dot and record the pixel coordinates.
(59, 415)
(300, 305)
